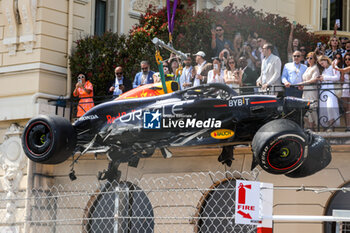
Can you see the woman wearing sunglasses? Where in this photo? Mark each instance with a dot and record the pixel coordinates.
(310, 92)
(333, 47)
(85, 91)
(233, 76)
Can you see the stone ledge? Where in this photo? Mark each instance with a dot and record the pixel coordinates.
(336, 138)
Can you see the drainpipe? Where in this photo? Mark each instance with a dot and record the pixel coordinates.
(38, 95)
(69, 47)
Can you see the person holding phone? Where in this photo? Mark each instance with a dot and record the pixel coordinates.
(201, 70)
(84, 90)
(218, 42)
(293, 44)
(232, 75)
(216, 75)
(120, 84)
(345, 78)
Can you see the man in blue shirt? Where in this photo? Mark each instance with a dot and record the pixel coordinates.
(143, 77)
(218, 42)
(293, 74)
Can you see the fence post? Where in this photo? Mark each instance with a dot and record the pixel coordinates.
(340, 213)
(266, 206)
(337, 227)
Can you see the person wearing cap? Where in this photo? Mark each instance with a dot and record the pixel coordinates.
(201, 69)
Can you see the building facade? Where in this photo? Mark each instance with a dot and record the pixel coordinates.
(37, 37)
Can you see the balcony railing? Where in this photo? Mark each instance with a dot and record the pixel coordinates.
(335, 118)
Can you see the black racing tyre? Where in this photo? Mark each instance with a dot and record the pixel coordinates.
(319, 156)
(279, 146)
(48, 139)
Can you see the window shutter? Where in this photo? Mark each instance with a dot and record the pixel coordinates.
(112, 16)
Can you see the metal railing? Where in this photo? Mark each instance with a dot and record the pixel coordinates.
(320, 113)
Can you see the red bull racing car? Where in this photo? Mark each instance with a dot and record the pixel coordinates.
(213, 114)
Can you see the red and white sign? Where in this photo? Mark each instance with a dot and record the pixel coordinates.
(247, 202)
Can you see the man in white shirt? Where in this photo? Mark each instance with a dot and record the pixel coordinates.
(202, 68)
(270, 71)
(186, 76)
(293, 74)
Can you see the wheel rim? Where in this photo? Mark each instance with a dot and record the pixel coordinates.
(38, 138)
(285, 154)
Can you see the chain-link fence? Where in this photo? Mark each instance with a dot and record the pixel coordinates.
(197, 202)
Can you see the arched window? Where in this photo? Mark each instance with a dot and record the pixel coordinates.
(332, 10)
(120, 207)
(216, 210)
(339, 201)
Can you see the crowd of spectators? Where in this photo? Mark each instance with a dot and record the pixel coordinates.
(253, 65)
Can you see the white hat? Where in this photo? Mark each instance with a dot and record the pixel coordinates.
(200, 53)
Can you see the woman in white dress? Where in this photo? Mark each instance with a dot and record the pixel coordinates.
(328, 102)
(346, 88)
(216, 75)
(233, 76)
(310, 92)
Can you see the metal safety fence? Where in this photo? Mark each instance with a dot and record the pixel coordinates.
(196, 202)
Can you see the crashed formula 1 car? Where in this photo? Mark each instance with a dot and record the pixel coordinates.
(211, 114)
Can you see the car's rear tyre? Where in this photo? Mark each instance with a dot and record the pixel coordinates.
(279, 146)
(319, 156)
(48, 139)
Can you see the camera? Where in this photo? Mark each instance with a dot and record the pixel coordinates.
(319, 44)
(79, 80)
